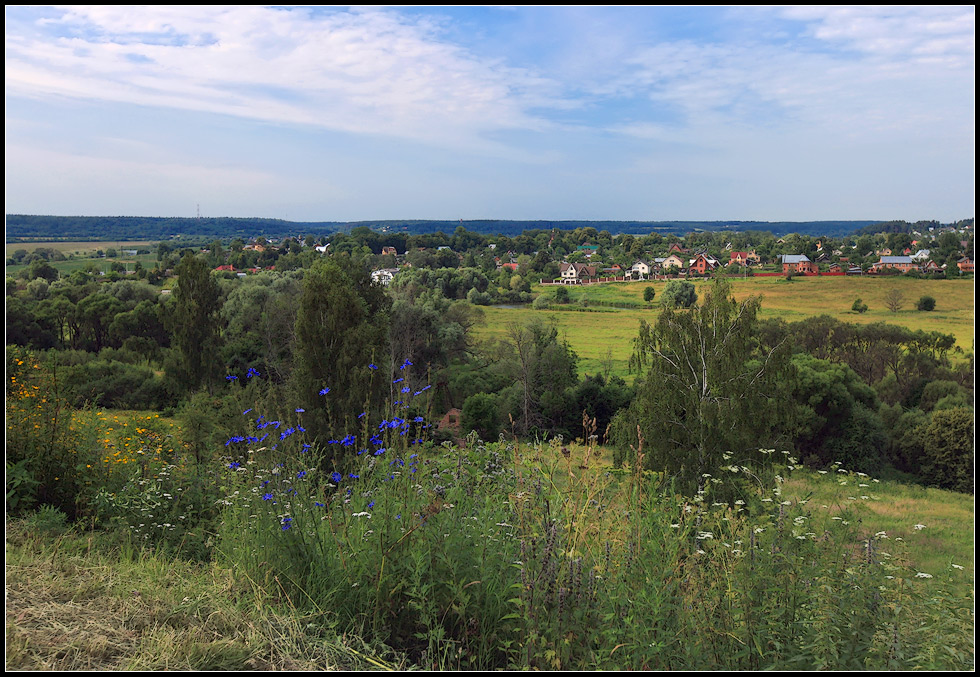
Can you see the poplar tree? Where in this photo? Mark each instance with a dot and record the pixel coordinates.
(195, 359)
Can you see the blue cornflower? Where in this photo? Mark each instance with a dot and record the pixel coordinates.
(301, 474)
(234, 466)
(231, 377)
(406, 364)
(286, 523)
(301, 411)
(372, 366)
(246, 411)
(418, 419)
(319, 505)
(370, 505)
(336, 477)
(348, 441)
(325, 391)
(398, 516)
(305, 447)
(362, 414)
(252, 372)
(379, 451)
(352, 476)
(406, 389)
(398, 380)
(266, 497)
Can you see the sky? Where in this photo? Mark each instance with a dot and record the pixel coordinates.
(584, 113)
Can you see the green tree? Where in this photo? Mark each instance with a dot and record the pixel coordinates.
(859, 306)
(948, 453)
(197, 303)
(341, 331)
(648, 294)
(710, 389)
(926, 303)
(678, 294)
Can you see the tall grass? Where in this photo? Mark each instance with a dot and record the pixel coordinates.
(507, 555)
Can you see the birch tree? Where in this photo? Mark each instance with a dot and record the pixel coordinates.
(710, 394)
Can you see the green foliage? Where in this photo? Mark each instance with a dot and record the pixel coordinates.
(926, 303)
(708, 388)
(836, 416)
(561, 295)
(42, 444)
(197, 306)
(678, 294)
(648, 294)
(948, 452)
(341, 327)
(481, 412)
(859, 306)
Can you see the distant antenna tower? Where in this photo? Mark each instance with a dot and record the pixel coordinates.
(198, 210)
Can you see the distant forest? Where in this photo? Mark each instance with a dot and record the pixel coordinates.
(22, 227)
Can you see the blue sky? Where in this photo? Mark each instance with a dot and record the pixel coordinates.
(655, 113)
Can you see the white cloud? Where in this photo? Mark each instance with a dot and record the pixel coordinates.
(366, 72)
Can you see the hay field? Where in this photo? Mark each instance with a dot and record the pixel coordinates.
(603, 336)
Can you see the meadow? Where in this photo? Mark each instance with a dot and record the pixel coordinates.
(602, 335)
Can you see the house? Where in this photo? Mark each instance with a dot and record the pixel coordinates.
(589, 249)
(836, 268)
(572, 272)
(452, 420)
(702, 264)
(673, 261)
(798, 264)
(640, 270)
(383, 276)
(921, 255)
(226, 268)
(743, 258)
(965, 264)
(677, 249)
(389, 251)
(902, 263)
(931, 266)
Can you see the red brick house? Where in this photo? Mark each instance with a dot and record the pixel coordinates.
(798, 264)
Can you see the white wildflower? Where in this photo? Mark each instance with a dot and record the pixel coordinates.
(922, 575)
(919, 527)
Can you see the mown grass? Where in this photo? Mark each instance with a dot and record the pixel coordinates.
(603, 336)
(90, 601)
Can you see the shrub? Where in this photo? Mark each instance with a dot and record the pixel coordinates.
(648, 294)
(859, 306)
(926, 303)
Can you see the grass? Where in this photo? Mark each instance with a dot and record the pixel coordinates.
(80, 600)
(89, 601)
(603, 337)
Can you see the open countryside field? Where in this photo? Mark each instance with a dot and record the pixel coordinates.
(603, 336)
(79, 248)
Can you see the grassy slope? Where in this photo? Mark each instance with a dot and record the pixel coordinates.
(81, 601)
(606, 336)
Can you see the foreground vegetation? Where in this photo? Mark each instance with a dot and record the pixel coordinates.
(507, 555)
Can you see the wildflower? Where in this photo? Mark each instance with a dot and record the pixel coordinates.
(398, 380)
(234, 466)
(922, 575)
(301, 411)
(246, 411)
(286, 523)
(406, 389)
(266, 497)
(336, 477)
(371, 505)
(955, 566)
(919, 527)
(231, 378)
(373, 367)
(325, 391)
(252, 372)
(301, 474)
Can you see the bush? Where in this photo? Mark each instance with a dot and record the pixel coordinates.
(648, 294)
(859, 306)
(926, 303)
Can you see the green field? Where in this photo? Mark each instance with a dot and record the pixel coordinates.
(84, 255)
(603, 336)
